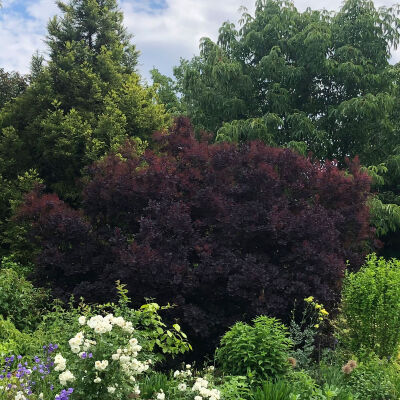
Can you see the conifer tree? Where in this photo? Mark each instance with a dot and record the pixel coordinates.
(85, 101)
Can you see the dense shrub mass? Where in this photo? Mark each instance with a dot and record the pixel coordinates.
(227, 232)
(371, 307)
(263, 347)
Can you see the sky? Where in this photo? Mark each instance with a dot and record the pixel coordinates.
(164, 30)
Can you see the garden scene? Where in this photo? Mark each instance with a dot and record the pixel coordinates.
(230, 231)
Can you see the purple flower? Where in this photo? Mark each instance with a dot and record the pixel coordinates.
(64, 395)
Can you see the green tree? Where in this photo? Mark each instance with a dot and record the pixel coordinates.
(315, 81)
(323, 78)
(84, 102)
(167, 92)
(91, 70)
(12, 84)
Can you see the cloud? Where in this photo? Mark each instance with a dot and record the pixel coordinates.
(164, 30)
(175, 31)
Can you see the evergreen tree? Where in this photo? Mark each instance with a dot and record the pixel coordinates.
(86, 101)
(12, 84)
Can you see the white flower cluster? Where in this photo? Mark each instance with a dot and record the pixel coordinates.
(161, 395)
(105, 324)
(76, 342)
(201, 386)
(182, 387)
(60, 363)
(20, 396)
(65, 377)
(101, 365)
(128, 361)
(183, 374)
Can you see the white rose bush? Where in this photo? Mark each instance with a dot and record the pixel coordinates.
(104, 359)
(188, 384)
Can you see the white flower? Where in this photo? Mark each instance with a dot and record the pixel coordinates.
(97, 380)
(136, 390)
(128, 327)
(124, 359)
(188, 366)
(133, 342)
(41, 396)
(111, 389)
(101, 365)
(60, 363)
(75, 342)
(198, 398)
(161, 395)
(20, 396)
(99, 324)
(66, 377)
(119, 321)
(115, 356)
(82, 320)
(75, 349)
(176, 373)
(182, 387)
(132, 378)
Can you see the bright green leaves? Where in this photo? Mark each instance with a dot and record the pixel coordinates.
(371, 307)
(325, 75)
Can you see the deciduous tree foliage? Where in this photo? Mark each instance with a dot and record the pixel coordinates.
(315, 77)
(227, 232)
(314, 81)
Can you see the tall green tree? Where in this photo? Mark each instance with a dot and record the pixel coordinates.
(84, 102)
(315, 81)
(319, 78)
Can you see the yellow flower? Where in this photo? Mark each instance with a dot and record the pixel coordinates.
(309, 299)
(316, 326)
(323, 311)
(318, 306)
(321, 318)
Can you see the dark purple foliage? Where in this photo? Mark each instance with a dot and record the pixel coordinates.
(226, 232)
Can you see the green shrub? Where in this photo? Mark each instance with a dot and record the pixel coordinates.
(371, 307)
(262, 349)
(371, 380)
(235, 388)
(20, 301)
(11, 339)
(303, 384)
(59, 325)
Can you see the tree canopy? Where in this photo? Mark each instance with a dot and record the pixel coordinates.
(83, 102)
(314, 77)
(315, 81)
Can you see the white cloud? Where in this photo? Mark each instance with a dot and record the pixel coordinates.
(163, 35)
